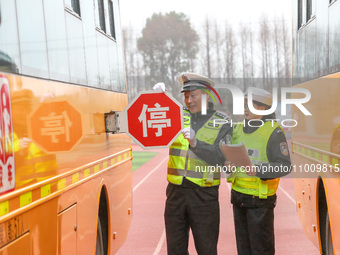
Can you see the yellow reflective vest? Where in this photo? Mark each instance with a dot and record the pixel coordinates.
(32, 164)
(256, 144)
(184, 163)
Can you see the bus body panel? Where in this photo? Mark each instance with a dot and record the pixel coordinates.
(63, 71)
(97, 160)
(316, 144)
(316, 139)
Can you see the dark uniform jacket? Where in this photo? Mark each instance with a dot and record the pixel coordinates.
(209, 153)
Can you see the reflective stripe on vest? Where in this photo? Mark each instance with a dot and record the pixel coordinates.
(256, 144)
(183, 162)
(193, 174)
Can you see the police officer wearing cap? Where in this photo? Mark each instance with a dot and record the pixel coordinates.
(192, 192)
(253, 192)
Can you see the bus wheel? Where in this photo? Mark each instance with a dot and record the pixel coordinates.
(100, 241)
(329, 240)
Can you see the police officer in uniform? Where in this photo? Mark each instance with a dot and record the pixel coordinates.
(192, 192)
(253, 192)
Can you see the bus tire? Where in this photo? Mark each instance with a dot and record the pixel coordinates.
(100, 240)
(329, 239)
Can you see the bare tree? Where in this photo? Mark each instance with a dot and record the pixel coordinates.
(286, 47)
(245, 35)
(129, 59)
(207, 42)
(265, 46)
(251, 57)
(229, 53)
(168, 46)
(243, 43)
(277, 48)
(135, 73)
(248, 51)
(218, 43)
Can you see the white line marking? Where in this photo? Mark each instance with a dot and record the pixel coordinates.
(161, 240)
(150, 173)
(286, 193)
(160, 244)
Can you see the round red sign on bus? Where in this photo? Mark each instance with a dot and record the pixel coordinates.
(7, 168)
(56, 126)
(154, 120)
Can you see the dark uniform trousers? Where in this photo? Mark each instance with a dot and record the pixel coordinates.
(191, 206)
(254, 224)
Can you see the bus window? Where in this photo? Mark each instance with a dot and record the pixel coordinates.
(7, 64)
(32, 38)
(73, 6)
(76, 49)
(111, 18)
(57, 41)
(101, 13)
(50, 40)
(9, 44)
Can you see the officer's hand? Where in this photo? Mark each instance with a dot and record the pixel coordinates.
(229, 167)
(190, 135)
(251, 170)
(24, 142)
(160, 86)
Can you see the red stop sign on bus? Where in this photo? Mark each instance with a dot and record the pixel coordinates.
(56, 126)
(154, 120)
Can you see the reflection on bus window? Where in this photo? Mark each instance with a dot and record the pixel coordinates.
(111, 18)
(49, 39)
(9, 41)
(7, 64)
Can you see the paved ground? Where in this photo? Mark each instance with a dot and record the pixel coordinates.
(147, 236)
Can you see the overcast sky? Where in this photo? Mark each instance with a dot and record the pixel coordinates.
(135, 12)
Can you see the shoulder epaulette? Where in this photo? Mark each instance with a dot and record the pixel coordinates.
(278, 131)
(221, 115)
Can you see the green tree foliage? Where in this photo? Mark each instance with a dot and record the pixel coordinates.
(169, 46)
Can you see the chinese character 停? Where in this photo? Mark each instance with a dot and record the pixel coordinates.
(157, 119)
(55, 125)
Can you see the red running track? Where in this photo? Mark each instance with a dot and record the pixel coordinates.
(146, 235)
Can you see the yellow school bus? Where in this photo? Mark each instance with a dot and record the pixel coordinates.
(316, 138)
(65, 169)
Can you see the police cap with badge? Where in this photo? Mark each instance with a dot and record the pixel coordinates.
(192, 81)
(264, 97)
(260, 95)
